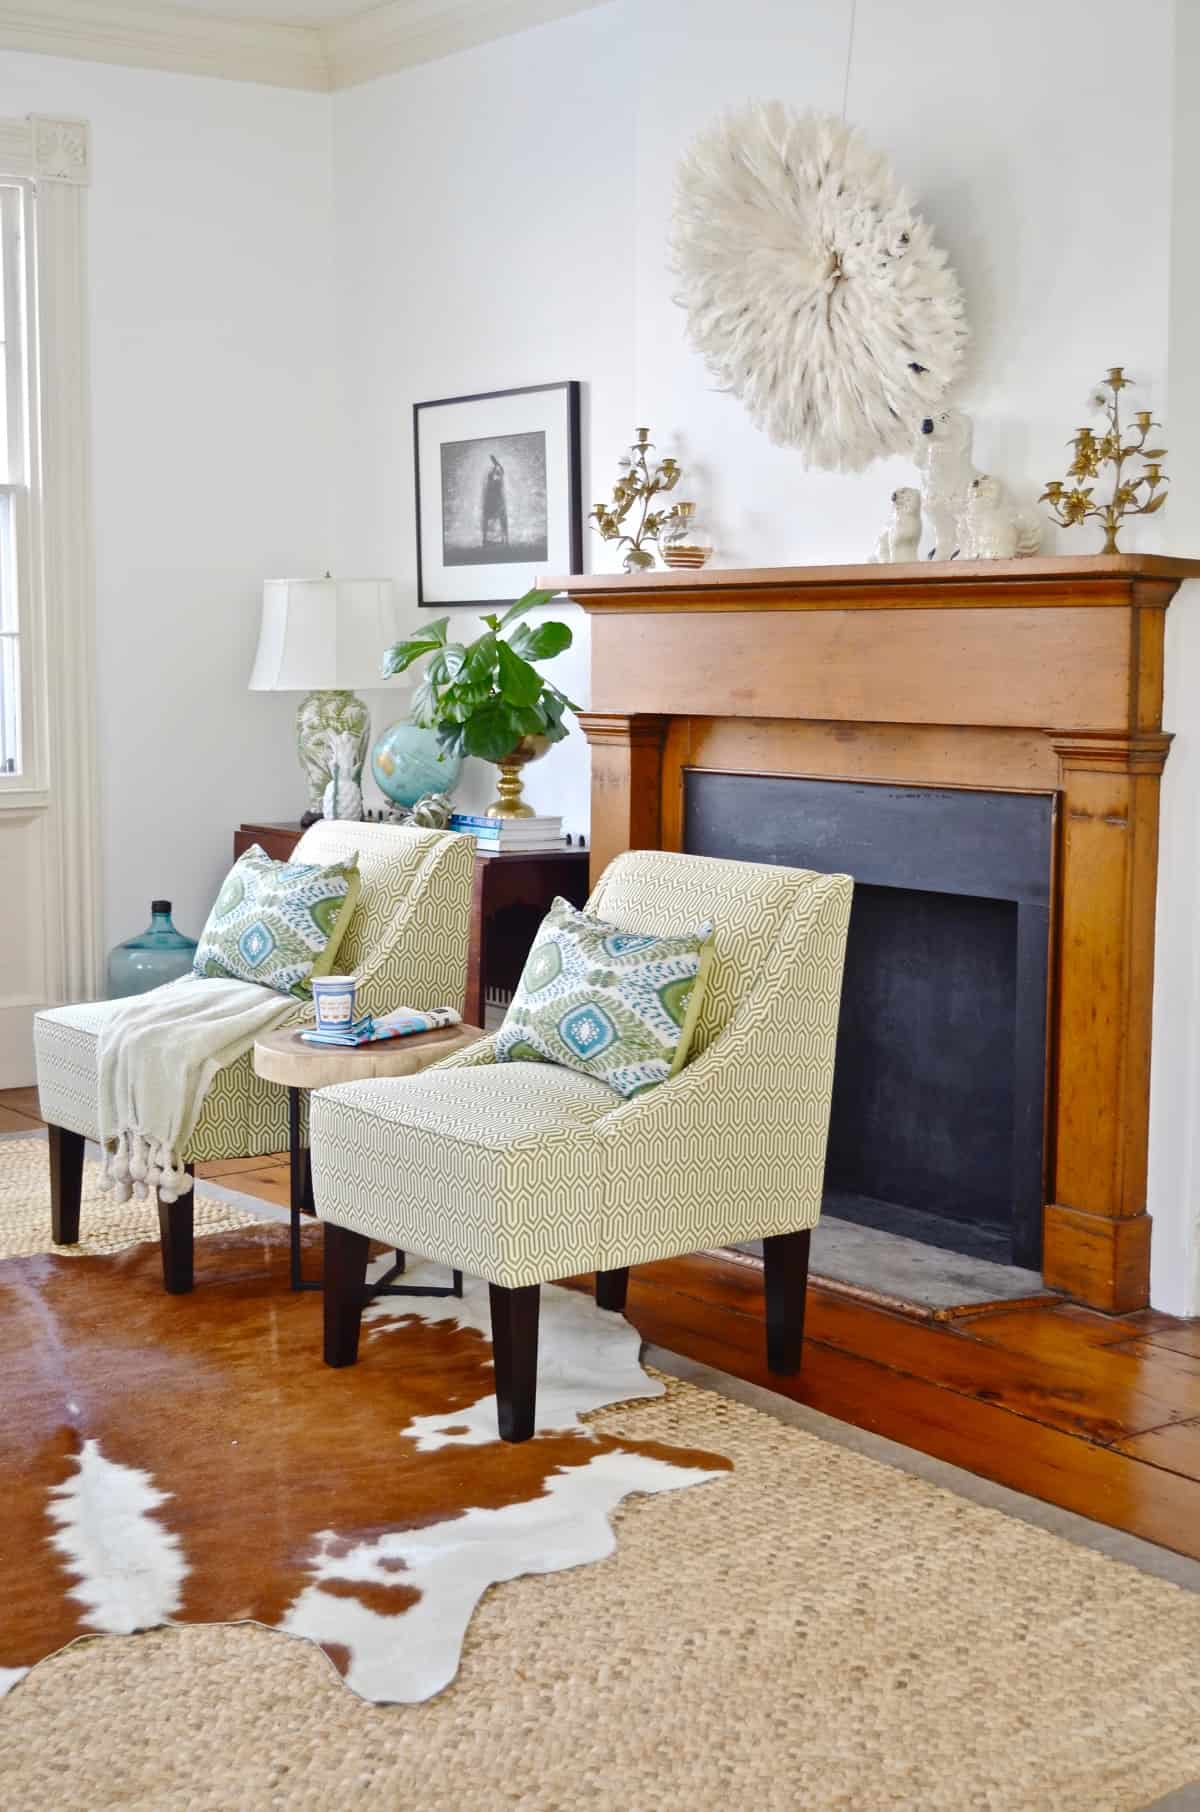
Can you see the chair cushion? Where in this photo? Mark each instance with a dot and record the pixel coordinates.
(278, 923)
(494, 1168)
(242, 1116)
(616, 1003)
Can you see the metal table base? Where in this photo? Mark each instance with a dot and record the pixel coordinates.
(301, 1202)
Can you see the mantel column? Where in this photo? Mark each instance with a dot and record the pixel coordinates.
(1097, 1231)
(626, 783)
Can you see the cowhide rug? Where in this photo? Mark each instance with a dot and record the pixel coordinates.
(190, 1459)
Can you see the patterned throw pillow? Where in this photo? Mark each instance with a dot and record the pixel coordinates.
(616, 1005)
(278, 923)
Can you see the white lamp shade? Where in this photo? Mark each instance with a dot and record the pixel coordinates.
(323, 634)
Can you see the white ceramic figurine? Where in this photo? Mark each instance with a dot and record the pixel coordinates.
(343, 795)
(943, 456)
(992, 527)
(902, 536)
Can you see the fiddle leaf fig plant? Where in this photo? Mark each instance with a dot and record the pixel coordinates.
(483, 697)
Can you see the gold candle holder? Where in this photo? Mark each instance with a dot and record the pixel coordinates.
(642, 480)
(1071, 503)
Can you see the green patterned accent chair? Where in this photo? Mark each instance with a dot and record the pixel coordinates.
(406, 945)
(522, 1173)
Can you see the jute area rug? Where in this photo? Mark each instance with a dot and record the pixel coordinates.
(816, 1631)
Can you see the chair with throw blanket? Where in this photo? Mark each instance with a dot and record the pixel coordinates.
(406, 944)
(522, 1172)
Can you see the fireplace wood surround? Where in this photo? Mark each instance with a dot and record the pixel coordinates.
(1039, 676)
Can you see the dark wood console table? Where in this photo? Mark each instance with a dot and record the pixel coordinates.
(512, 895)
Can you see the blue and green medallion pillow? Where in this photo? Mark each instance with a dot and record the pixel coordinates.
(278, 923)
(616, 1005)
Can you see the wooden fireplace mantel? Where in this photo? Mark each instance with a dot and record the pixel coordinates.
(1037, 675)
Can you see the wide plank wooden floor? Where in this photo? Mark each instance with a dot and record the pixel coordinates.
(1099, 1414)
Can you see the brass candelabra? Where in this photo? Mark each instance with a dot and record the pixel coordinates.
(1073, 502)
(641, 481)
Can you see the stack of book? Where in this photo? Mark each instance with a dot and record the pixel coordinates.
(510, 836)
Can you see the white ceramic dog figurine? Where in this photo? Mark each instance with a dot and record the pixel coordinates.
(902, 536)
(992, 527)
(943, 457)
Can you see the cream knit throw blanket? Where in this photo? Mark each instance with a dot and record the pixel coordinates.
(157, 1055)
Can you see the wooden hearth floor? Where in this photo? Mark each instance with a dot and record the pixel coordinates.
(1099, 1414)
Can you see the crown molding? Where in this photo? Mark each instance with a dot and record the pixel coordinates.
(378, 42)
(406, 32)
(142, 37)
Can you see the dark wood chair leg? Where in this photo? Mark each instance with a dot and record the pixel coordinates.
(785, 1273)
(612, 1287)
(514, 1351)
(176, 1227)
(345, 1292)
(66, 1184)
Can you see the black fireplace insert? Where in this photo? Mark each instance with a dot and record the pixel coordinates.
(937, 1128)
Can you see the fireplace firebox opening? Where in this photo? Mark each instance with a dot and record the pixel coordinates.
(937, 1129)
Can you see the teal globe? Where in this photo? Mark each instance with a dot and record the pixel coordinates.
(406, 765)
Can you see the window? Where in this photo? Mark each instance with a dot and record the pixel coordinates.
(17, 659)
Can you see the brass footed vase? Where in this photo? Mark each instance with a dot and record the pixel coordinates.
(508, 802)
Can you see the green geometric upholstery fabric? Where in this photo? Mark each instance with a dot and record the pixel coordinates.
(278, 923)
(614, 1003)
(406, 945)
(472, 1172)
(523, 1173)
(408, 941)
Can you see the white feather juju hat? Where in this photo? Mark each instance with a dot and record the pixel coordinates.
(813, 291)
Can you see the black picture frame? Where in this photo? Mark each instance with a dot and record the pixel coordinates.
(563, 549)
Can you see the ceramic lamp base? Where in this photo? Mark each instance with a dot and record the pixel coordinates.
(321, 717)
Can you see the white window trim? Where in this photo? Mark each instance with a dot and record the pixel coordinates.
(27, 789)
(52, 157)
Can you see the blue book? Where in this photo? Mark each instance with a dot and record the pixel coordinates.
(466, 821)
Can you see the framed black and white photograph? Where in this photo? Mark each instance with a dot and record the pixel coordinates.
(498, 493)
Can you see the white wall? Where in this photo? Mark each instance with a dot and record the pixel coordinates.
(484, 240)
(982, 115)
(212, 348)
(1175, 1078)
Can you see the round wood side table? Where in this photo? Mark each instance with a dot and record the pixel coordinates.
(284, 1057)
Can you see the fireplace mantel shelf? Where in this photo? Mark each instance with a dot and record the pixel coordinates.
(1052, 581)
(1036, 676)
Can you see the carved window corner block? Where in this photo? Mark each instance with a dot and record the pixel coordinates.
(61, 150)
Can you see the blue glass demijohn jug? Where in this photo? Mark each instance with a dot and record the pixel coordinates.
(157, 954)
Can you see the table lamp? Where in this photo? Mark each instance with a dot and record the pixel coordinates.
(324, 637)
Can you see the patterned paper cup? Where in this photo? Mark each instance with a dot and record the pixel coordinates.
(333, 996)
